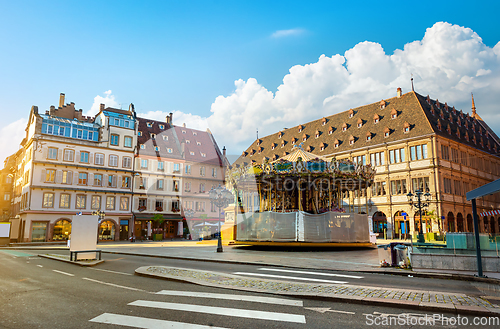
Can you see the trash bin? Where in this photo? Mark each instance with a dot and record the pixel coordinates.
(384, 255)
(401, 252)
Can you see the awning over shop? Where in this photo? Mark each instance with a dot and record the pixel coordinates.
(150, 217)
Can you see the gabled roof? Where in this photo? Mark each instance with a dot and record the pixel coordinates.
(411, 108)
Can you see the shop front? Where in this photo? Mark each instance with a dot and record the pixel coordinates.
(62, 230)
(147, 228)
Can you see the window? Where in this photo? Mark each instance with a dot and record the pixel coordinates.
(188, 141)
(397, 155)
(187, 169)
(144, 163)
(159, 205)
(157, 148)
(457, 187)
(69, 155)
(188, 205)
(79, 134)
(139, 133)
(48, 200)
(81, 201)
(198, 143)
(418, 152)
(463, 157)
(6, 196)
(360, 159)
(149, 124)
(110, 203)
(165, 138)
(52, 154)
(99, 159)
(398, 187)
(91, 135)
(117, 122)
(175, 186)
(126, 181)
(127, 124)
(445, 152)
(82, 178)
(169, 150)
(50, 176)
(124, 201)
(214, 172)
(447, 185)
(161, 126)
(143, 183)
(177, 168)
(84, 157)
(420, 183)
(159, 184)
(191, 152)
(200, 206)
(127, 162)
(143, 202)
(377, 159)
(143, 147)
(175, 206)
(95, 202)
(202, 188)
(153, 135)
(203, 155)
(113, 160)
(97, 179)
(50, 129)
(160, 165)
(454, 155)
(187, 187)
(114, 139)
(64, 200)
(128, 141)
(61, 131)
(112, 181)
(66, 177)
(202, 171)
(378, 188)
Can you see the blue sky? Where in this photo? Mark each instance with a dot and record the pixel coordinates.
(179, 56)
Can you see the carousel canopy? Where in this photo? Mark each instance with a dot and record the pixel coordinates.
(299, 153)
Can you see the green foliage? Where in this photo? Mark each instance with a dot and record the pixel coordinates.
(158, 219)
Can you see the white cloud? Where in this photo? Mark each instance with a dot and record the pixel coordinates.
(108, 100)
(12, 135)
(287, 33)
(448, 63)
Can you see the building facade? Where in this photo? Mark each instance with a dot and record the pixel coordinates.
(414, 143)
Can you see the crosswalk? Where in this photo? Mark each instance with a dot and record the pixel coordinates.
(144, 322)
(298, 275)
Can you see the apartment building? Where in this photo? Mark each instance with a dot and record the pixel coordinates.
(414, 143)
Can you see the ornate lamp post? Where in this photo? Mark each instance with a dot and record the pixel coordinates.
(418, 203)
(188, 213)
(220, 197)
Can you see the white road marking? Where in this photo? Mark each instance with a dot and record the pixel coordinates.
(100, 269)
(69, 274)
(146, 323)
(114, 285)
(289, 277)
(246, 298)
(323, 310)
(242, 313)
(40, 265)
(314, 273)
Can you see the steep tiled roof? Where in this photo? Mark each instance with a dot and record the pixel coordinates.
(383, 121)
(164, 139)
(199, 146)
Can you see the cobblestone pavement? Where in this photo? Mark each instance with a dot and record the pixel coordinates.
(409, 298)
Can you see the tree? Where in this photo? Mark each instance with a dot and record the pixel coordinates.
(158, 220)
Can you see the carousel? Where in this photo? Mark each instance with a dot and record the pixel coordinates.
(301, 199)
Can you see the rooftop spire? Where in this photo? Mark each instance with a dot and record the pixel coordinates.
(473, 106)
(412, 83)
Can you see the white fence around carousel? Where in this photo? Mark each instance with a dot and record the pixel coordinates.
(302, 227)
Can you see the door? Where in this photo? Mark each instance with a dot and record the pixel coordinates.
(170, 229)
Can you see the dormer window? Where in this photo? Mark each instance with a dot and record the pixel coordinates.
(360, 123)
(260, 149)
(351, 113)
(330, 130)
(165, 138)
(301, 128)
(198, 143)
(275, 157)
(183, 131)
(317, 134)
(382, 104)
(280, 134)
(322, 147)
(368, 136)
(439, 124)
(459, 123)
(139, 133)
(458, 133)
(188, 141)
(406, 127)
(351, 140)
(454, 111)
(259, 142)
(448, 129)
(376, 118)
(437, 104)
(394, 114)
(143, 146)
(466, 135)
(304, 137)
(336, 143)
(195, 133)
(309, 148)
(323, 121)
(149, 124)
(244, 154)
(153, 135)
(446, 106)
(273, 146)
(283, 144)
(344, 127)
(428, 100)
(474, 139)
(191, 152)
(161, 126)
(432, 110)
(387, 132)
(293, 141)
(157, 148)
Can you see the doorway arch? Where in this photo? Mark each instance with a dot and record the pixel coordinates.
(62, 230)
(451, 222)
(379, 223)
(460, 223)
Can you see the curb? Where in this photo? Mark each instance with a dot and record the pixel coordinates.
(88, 264)
(448, 276)
(425, 306)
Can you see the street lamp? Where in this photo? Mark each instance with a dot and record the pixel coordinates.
(100, 216)
(188, 213)
(220, 197)
(418, 203)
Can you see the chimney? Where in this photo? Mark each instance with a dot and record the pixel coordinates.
(61, 100)
(224, 151)
(184, 125)
(168, 118)
(101, 107)
(171, 115)
(399, 92)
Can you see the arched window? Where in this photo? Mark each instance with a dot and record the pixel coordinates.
(107, 230)
(62, 230)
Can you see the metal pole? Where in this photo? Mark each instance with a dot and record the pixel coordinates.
(219, 240)
(476, 233)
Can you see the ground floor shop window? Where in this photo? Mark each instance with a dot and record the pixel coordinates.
(107, 230)
(38, 231)
(62, 230)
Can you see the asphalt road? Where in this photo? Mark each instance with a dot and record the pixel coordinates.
(43, 293)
